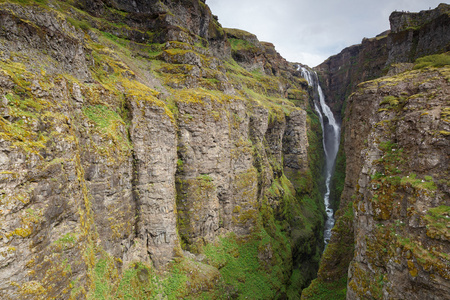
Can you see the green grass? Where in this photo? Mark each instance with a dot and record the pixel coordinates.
(110, 124)
(320, 290)
(28, 2)
(102, 115)
(438, 220)
(67, 240)
(240, 266)
(137, 282)
(427, 183)
(436, 61)
(80, 24)
(237, 44)
(392, 159)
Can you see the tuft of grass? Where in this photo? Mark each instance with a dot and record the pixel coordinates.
(436, 61)
(102, 115)
(28, 2)
(81, 24)
(427, 183)
(109, 123)
(438, 220)
(205, 177)
(326, 290)
(237, 44)
(391, 100)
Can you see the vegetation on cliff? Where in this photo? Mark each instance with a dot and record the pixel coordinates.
(147, 152)
(146, 155)
(340, 76)
(394, 178)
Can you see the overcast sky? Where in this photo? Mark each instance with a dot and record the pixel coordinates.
(310, 31)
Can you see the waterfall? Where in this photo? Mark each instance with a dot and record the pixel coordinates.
(331, 135)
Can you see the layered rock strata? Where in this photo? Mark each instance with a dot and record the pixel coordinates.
(134, 149)
(401, 194)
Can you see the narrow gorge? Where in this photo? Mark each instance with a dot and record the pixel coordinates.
(330, 141)
(146, 152)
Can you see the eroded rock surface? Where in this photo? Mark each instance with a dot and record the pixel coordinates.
(402, 196)
(132, 143)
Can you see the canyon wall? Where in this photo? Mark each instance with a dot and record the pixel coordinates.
(401, 197)
(391, 184)
(146, 152)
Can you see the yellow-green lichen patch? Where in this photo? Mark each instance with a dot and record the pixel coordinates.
(197, 96)
(445, 72)
(422, 257)
(29, 217)
(445, 114)
(20, 118)
(438, 222)
(412, 268)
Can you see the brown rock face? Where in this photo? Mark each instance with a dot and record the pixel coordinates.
(402, 194)
(340, 74)
(217, 182)
(248, 51)
(157, 21)
(154, 141)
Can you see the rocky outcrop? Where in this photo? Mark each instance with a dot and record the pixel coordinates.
(217, 183)
(154, 141)
(418, 34)
(159, 21)
(248, 51)
(340, 74)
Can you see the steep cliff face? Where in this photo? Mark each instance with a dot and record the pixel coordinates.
(391, 175)
(401, 203)
(139, 159)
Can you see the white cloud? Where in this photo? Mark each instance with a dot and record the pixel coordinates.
(309, 31)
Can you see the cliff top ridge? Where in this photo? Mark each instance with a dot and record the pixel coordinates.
(400, 20)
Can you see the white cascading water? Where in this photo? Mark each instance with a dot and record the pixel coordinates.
(331, 135)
